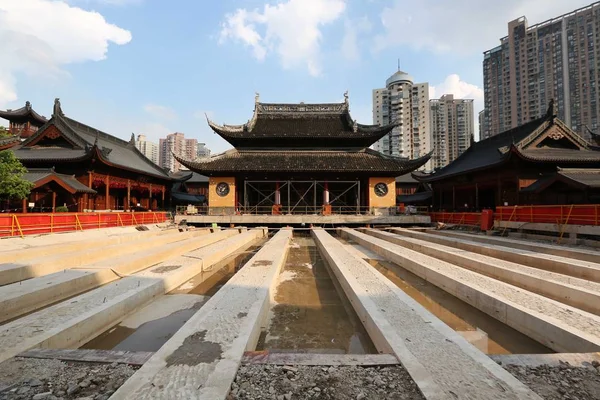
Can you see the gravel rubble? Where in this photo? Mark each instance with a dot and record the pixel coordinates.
(274, 382)
(37, 379)
(562, 382)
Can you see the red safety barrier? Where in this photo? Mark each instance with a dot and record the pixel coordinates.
(584, 214)
(35, 224)
(457, 218)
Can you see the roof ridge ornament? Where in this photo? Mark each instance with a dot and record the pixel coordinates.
(57, 109)
(256, 97)
(552, 109)
(132, 140)
(28, 105)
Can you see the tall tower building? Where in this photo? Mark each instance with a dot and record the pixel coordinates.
(406, 103)
(452, 126)
(149, 149)
(557, 59)
(176, 143)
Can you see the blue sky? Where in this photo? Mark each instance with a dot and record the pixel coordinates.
(157, 66)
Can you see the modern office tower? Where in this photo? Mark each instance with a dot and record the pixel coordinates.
(452, 127)
(557, 59)
(406, 103)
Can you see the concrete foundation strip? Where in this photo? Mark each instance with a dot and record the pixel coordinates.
(68, 244)
(561, 327)
(569, 252)
(137, 358)
(76, 321)
(371, 360)
(441, 362)
(576, 292)
(20, 298)
(562, 265)
(10, 273)
(201, 360)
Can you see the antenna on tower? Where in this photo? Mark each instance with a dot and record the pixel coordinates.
(398, 64)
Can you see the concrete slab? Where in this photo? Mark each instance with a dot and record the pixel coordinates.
(305, 219)
(76, 321)
(562, 265)
(33, 241)
(563, 251)
(442, 363)
(558, 326)
(73, 243)
(554, 228)
(200, 361)
(20, 298)
(15, 272)
(576, 292)
(92, 356)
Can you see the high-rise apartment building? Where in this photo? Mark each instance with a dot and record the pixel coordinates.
(557, 59)
(452, 127)
(203, 151)
(176, 143)
(406, 103)
(149, 149)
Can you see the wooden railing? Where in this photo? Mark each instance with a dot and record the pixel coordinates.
(35, 224)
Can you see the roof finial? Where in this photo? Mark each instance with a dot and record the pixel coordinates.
(346, 97)
(398, 64)
(132, 140)
(552, 112)
(256, 97)
(28, 105)
(57, 110)
(96, 140)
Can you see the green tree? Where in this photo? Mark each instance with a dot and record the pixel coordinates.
(12, 184)
(4, 132)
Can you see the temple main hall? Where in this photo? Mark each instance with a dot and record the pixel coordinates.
(302, 159)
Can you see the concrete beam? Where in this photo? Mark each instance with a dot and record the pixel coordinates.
(554, 228)
(20, 298)
(562, 251)
(74, 322)
(201, 360)
(562, 265)
(561, 327)
(442, 363)
(16, 248)
(15, 272)
(576, 292)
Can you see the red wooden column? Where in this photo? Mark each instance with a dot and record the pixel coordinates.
(53, 201)
(87, 196)
(107, 193)
(128, 195)
(150, 198)
(25, 205)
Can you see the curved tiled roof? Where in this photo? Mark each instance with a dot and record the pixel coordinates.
(23, 114)
(323, 125)
(364, 161)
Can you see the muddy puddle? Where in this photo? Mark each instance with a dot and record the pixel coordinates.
(484, 332)
(308, 314)
(152, 326)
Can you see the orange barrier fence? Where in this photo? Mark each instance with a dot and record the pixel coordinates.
(584, 214)
(35, 224)
(458, 218)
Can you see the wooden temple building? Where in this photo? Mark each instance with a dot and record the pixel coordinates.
(542, 162)
(23, 122)
(302, 159)
(76, 166)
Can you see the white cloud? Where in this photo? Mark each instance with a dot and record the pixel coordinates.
(352, 32)
(162, 112)
(38, 37)
(461, 90)
(291, 29)
(463, 26)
